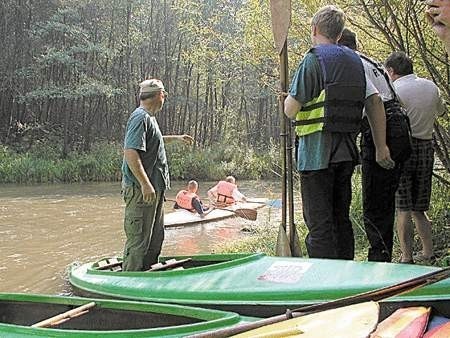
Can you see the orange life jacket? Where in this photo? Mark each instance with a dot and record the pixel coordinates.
(225, 192)
(184, 199)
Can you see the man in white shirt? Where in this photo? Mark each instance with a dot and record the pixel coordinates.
(378, 184)
(423, 103)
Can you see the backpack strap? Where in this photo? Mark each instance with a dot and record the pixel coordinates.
(382, 71)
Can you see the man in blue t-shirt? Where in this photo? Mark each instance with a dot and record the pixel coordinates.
(145, 178)
(326, 98)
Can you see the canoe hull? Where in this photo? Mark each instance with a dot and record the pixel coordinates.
(257, 284)
(108, 318)
(183, 217)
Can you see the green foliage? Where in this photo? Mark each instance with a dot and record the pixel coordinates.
(219, 161)
(356, 217)
(262, 238)
(41, 164)
(439, 214)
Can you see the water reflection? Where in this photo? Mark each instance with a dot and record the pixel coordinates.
(45, 228)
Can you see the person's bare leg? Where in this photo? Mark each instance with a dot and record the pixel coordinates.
(405, 232)
(423, 226)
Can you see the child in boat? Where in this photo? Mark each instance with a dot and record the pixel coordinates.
(189, 200)
(226, 192)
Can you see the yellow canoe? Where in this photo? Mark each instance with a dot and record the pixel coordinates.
(354, 321)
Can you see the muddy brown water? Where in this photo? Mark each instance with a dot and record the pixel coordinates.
(45, 228)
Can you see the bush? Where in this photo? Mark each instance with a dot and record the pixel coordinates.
(43, 164)
(220, 161)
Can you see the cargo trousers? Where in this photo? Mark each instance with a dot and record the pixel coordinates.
(144, 229)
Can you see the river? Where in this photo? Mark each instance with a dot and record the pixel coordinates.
(45, 228)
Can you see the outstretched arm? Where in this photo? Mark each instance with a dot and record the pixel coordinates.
(238, 196)
(189, 140)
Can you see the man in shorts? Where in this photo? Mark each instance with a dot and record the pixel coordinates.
(423, 103)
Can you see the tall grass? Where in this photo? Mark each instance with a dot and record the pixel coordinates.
(42, 164)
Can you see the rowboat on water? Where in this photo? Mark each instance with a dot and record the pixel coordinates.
(253, 284)
(24, 315)
(182, 217)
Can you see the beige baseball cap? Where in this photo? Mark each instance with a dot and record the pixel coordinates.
(152, 86)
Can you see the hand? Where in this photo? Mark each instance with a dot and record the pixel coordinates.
(189, 140)
(383, 158)
(148, 193)
(282, 96)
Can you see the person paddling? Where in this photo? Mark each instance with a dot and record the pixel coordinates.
(226, 193)
(189, 200)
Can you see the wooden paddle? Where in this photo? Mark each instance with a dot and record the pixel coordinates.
(247, 213)
(375, 295)
(281, 20)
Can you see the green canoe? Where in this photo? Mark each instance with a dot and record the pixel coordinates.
(253, 284)
(106, 318)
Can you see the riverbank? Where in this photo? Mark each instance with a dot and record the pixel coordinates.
(43, 164)
(262, 238)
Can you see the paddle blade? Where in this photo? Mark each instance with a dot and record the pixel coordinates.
(353, 321)
(281, 20)
(283, 248)
(270, 203)
(250, 214)
(295, 245)
(274, 203)
(408, 322)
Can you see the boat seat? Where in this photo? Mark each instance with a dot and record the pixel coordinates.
(112, 264)
(64, 317)
(169, 264)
